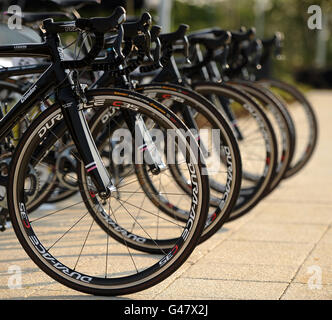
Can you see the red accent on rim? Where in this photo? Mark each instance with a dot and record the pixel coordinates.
(175, 249)
(27, 224)
(214, 216)
(117, 103)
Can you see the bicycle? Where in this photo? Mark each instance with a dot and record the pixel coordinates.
(44, 135)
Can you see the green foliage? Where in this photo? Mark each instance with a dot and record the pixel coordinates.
(287, 16)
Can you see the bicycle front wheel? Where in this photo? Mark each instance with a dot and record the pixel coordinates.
(304, 118)
(69, 244)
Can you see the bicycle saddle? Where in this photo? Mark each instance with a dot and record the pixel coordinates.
(31, 17)
(74, 3)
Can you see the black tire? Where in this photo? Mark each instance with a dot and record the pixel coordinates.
(66, 272)
(223, 201)
(249, 196)
(304, 152)
(281, 121)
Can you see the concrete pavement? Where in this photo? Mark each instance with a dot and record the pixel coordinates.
(280, 250)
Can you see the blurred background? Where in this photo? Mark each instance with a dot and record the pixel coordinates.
(307, 54)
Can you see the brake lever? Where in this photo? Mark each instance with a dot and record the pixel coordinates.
(148, 46)
(146, 20)
(278, 43)
(143, 43)
(186, 49)
(118, 42)
(157, 53)
(258, 49)
(222, 57)
(155, 31)
(145, 23)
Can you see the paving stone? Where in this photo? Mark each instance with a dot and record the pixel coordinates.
(260, 253)
(299, 291)
(321, 255)
(243, 272)
(224, 289)
(275, 251)
(292, 213)
(315, 274)
(275, 232)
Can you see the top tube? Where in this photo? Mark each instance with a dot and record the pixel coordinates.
(36, 50)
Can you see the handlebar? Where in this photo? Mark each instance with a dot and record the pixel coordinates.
(275, 41)
(97, 26)
(103, 25)
(239, 36)
(138, 28)
(132, 29)
(170, 38)
(93, 25)
(210, 41)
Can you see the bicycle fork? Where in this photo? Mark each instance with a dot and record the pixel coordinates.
(86, 147)
(139, 130)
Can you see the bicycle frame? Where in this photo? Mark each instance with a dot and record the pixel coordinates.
(55, 75)
(209, 71)
(22, 70)
(136, 124)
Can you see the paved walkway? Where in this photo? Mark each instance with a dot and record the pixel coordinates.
(281, 250)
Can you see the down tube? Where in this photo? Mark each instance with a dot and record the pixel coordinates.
(29, 98)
